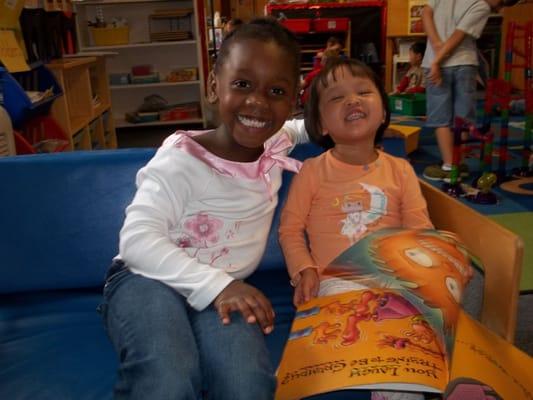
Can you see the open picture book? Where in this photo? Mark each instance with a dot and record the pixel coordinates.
(388, 317)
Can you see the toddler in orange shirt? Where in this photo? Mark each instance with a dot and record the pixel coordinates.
(350, 190)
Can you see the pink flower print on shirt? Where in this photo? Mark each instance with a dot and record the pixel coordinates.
(232, 232)
(219, 254)
(184, 241)
(203, 228)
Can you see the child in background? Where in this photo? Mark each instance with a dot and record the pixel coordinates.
(306, 82)
(176, 307)
(414, 80)
(333, 44)
(350, 190)
(231, 25)
(333, 49)
(451, 64)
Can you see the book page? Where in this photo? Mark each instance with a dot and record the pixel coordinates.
(388, 317)
(361, 339)
(485, 364)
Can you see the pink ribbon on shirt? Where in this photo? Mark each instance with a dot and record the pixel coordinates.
(273, 155)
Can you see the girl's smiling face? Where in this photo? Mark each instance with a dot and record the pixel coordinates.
(351, 108)
(256, 91)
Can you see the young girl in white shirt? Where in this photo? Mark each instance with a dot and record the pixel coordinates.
(197, 227)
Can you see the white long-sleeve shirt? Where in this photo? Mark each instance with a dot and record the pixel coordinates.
(197, 221)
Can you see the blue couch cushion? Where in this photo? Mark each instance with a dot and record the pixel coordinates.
(71, 206)
(53, 346)
(60, 216)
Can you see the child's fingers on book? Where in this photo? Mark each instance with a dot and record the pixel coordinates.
(297, 299)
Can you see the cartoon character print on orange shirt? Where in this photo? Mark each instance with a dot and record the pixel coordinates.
(354, 225)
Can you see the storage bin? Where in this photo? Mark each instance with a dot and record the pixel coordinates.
(15, 100)
(330, 24)
(180, 112)
(408, 104)
(41, 134)
(110, 36)
(297, 25)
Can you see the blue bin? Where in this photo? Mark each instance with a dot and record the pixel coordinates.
(14, 98)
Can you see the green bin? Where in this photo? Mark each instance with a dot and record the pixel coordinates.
(408, 104)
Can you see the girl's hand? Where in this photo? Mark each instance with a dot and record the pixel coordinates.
(250, 302)
(307, 287)
(435, 76)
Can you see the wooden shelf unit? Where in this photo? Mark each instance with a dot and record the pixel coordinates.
(366, 27)
(84, 110)
(164, 56)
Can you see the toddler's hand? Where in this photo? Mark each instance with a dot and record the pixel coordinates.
(307, 287)
(250, 302)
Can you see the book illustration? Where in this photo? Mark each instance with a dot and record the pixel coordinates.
(431, 266)
(389, 318)
(374, 306)
(307, 312)
(361, 336)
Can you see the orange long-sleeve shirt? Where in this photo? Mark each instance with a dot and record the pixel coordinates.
(332, 205)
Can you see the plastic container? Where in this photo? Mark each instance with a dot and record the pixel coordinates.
(110, 36)
(297, 25)
(41, 135)
(180, 112)
(119, 78)
(330, 24)
(15, 100)
(408, 104)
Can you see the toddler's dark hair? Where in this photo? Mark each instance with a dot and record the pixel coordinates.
(418, 47)
(312, 112)
(264, 30)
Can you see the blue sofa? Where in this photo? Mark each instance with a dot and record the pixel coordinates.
(60, 215)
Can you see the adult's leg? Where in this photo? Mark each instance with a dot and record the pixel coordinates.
(440, 112)
(149, 327)
(234, 358)
(445, 140)
(439, 105)
(464, 89)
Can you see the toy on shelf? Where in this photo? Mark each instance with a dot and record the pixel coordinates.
(108, 34)
(169, 25)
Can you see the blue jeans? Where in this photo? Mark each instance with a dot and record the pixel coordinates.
(454, 97)
(167, 350)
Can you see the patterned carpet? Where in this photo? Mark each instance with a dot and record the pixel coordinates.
(514, 211)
